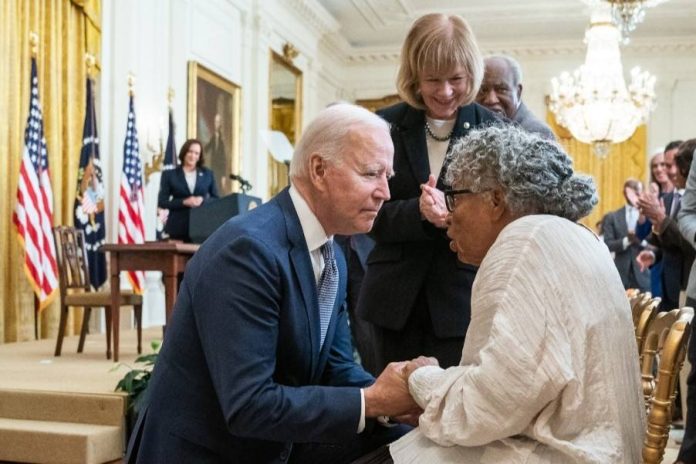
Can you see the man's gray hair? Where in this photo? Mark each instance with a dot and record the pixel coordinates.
(512, 63)
(535, 174)
(327, 135)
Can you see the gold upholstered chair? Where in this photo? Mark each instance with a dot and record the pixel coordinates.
(664, 349)
(644, 309)
(76, 289)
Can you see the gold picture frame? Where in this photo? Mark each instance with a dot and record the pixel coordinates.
(214, 114)
(284, 109)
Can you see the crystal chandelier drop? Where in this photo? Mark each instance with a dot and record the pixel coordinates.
(627, 14)
(594, 103)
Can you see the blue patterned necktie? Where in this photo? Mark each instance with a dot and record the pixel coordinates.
(327, 288)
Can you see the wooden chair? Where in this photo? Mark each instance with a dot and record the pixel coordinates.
(664, 349)
(76, 289)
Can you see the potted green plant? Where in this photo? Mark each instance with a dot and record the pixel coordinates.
(135, 383)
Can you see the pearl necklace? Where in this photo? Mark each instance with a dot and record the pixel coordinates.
(436, 137)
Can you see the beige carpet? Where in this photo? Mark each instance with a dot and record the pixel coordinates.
(32, 366)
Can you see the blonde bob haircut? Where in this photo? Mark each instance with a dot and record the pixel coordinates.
(438, 44)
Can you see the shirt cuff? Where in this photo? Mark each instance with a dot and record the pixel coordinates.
(361, 424)
(625, 243)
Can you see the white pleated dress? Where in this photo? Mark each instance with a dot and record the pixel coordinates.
(549, 370)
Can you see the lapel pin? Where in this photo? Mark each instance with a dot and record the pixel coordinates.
(466, 125)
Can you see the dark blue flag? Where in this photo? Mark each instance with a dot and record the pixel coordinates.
(89, 199)
(170, 162)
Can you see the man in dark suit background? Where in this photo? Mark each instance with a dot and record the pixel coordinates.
(501, 92)
(257, 366)
(620, 236)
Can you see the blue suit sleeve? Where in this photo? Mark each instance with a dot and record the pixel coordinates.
(166, 198)
(212, 191)
(240, 299)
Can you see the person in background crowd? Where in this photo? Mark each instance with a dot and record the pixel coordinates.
(620, 236)
(257, 364)
(672, 252)
(501, 92)
(659, 185)
(415, 292)
(187, 186)
(549, 372)
(686, 218)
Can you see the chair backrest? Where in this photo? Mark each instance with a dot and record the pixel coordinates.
(644, 311)
(664, 349)
(73, 266)
(637, 299)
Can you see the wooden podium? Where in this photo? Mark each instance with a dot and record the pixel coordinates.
(205, 219)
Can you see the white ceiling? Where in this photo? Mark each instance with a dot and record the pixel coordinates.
(382, 24)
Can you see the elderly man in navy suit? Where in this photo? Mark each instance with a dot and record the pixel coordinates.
(256, 366)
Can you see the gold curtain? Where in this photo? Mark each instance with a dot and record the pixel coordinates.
(67, 30)
(626, 159)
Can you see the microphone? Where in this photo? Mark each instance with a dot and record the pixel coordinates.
(243, 183)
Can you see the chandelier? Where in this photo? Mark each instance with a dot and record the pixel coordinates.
(594, 103)
(627, 14)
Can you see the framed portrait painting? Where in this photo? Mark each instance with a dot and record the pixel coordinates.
(213, 118)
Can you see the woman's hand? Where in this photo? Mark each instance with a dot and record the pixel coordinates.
(653, 207)
(193, 201)
(432, 204)
(414, 364)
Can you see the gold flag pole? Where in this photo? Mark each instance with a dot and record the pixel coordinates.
(157, 160)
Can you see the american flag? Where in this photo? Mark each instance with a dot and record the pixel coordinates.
(168, 164)
(130, 208)
(89, 197)
(33, 214)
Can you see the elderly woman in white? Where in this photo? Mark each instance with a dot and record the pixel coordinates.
(549, 371)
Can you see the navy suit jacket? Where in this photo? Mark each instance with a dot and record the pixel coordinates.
(411, 255)
(241, 376)
(174, 190)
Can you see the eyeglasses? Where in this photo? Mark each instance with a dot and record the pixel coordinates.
(450, 196)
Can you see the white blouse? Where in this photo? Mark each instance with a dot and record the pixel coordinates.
(549, 371)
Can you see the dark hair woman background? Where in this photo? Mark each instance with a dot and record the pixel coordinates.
(187, 186)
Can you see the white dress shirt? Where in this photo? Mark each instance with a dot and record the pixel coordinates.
(315, 236)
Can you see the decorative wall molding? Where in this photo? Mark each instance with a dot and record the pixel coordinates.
(383, 13)
(390, 55)
(312, 13)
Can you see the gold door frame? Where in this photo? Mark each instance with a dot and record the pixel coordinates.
(277, 171)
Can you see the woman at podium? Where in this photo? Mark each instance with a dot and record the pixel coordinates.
(185, 187)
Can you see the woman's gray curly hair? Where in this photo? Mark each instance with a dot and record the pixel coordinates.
(535, 174)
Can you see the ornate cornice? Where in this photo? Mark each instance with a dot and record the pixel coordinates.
(314, 14)
(390, 55)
